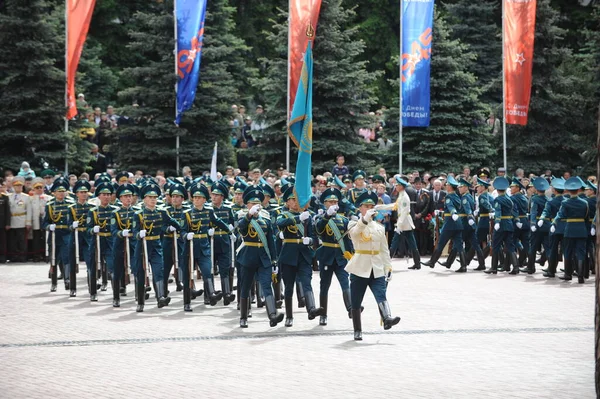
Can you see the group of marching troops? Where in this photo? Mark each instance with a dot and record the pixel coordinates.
(203, 228)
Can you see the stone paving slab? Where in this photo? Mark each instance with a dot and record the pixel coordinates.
(461, 335)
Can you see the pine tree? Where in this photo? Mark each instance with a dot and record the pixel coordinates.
(342, 92)
(32, 88)
(478, 24)
(148, 141)
(456, 135)
(560, 127)
(224, 76)
(94, 78)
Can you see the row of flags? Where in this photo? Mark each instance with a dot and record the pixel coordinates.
(417, 35)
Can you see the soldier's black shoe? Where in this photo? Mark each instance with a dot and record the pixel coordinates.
(73, 294)
(279, 304)
(434, 258)
(415, 267)
(94, 298)
(187, 307)
(566, 277)
(386, 315)
(179, 287)
(312, 310)
(323, 320)
(289, 311)
(139, 308)
(549, 274)
(67, 285)
(491, 271)
(116, 303)
(479, 268)
(356, 323)
(194, 294)
(123, 290)
(244, 312)
(53, 288)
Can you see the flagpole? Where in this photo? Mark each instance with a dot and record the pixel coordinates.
(176, 74)
(503, 89)
(400, 99)
(287, 114)
(66, 85)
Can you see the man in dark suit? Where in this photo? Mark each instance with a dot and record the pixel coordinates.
(98, 162)
(437, 196)
(421, 209)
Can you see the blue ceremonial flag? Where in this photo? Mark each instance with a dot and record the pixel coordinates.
(417, 28)
(300, 128)
(190, 34)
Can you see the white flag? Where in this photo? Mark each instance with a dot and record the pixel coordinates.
(213, 165)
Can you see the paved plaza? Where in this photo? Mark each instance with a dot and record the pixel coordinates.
(461, 336)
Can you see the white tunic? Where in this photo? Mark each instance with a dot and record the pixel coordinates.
(402, 205)
(38, 207)
(20, 210)
(371, 249)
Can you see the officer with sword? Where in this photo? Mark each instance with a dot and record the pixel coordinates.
(78, 223)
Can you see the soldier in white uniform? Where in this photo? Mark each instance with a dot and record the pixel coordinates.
(20, 221)
(370, 264)
(404, 225)
(38, 201)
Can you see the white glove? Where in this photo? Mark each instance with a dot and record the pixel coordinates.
(533, 228)
(142, 233)
(436, 212)
(454, 217)
(189, 236)
(96, 229)
(320, 212)
(354, 218)
(275, 270)
(306, 240)
(304, 216)
(497, 226)
(552, 229)
(52, 227)
(231, 228)
(492, 214)
(125, 233)
(369, 215)
(254, 210)
(519, 225)
(540, 223)
(476, 212)
(75, 224)
(332, 210)
(471, 222)
(211, 232)
(171, 229)
(281, 235)
(233, 237)
(593, 231)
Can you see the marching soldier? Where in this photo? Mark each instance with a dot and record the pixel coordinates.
(522, 231)
(199, 220)
(78, 222)
(549, 216)
(503, 227)
(236, 207)
(121, 229)
(100, 240)
(404, 222)
(295, 258)
(453, 226)
(257, 256)
(574, 213)
(469, 232)
(20, 221)
(222, 239)
(485, 207)
(149, 224)
(176, 210)
(56, 217)
(539, 235)
(371, 265)
(335, 251)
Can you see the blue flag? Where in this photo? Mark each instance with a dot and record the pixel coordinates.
(190, 34)
(417, 28)
(300, 129)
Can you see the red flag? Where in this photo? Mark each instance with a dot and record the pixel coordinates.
(519, 31)
(79, 15)
(303, 13)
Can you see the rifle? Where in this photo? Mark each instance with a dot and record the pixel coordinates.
(127, 262)
(191, 264)
(437, 230)
(53, 271)
(176, 255)
(490, 234)
(145, 263)
(76, 265)
(212, 253)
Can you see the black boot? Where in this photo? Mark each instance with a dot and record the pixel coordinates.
(480, 261)
(300, 294)
(187, 306)
(463, 263)
(311, 309)
(244, 312)
(323, 303)
(213, 296)
(357, 325)
(470, 255)
(450, 260)
(494, 268)
(522, 258)
(580, 271)
(531, 264)
(289, 311)
(515, 262)
(73, 281)
(104, 278)
(274, 316)
(568, 270)
(434, 258)
(252, 292)
(177, 281)
(195, 293)
(163, 299)
(260, 296)
(277, 293)
(93, 286)
(347, 302)
(228, 297)
(116, 285)
(550, 272)
(54, 277)
(140, 288)
(386, 315)
(417, 259)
